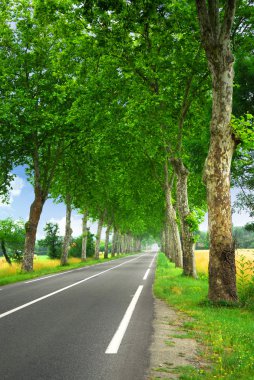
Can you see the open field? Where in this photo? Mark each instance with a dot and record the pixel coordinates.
(40, 263)
(244, 261)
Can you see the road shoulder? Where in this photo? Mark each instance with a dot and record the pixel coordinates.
(172, 351)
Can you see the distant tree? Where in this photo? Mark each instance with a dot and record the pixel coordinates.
(202, 240)
(76, 246)
(244, 236)
(12, 237)
(52, 241)
(249, 227)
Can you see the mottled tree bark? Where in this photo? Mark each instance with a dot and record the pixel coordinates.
(171, 220)
(68, 232)
(84, 235)
(113, 251)
(118, 243)
(189, 265)
(163, 241)
(31, 229)
(215, 33)
(131, 244)
(107, 241)
(166, 231)
(98, 239)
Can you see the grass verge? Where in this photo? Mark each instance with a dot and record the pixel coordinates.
(226, 333)
(44, 266)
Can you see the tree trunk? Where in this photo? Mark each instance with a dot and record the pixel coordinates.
(131, 244)
(68, 232)
(189, 265)
(98, 239)
(163, 241)
(215, 32)
(113, 250)
(171, 215)
(31, 230)
(222, 272)
(125, 244)
(107, 241)
(166, 232)
(118, 244)
(84, 235)
(4, 251)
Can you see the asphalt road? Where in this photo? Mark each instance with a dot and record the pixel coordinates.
(94, 323)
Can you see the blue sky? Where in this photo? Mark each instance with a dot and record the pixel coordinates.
(21, 197)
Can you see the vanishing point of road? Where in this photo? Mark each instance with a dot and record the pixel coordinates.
(91, 323)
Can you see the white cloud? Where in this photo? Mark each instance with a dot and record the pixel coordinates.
(76, 225)
(16, 187)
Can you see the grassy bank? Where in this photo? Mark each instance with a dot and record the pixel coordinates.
(43, 266)
(226, 333)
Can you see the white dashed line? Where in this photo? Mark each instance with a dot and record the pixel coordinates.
(146, 274)
(152, 261)
(63, 289)
(119, 334)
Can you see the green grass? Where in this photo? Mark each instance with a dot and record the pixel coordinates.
(10, 278)
(227, 333)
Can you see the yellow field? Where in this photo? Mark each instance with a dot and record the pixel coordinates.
(39, 263)
(244, 261)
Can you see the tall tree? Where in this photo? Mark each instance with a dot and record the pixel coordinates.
(215, 24)
(84, 235)
(68, 230)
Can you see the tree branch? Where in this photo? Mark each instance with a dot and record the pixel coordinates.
(228, 20)
(204, 21)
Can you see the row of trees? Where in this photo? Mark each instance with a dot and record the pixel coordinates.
(107, 104)
(12, 238)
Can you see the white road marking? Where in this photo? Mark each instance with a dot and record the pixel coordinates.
(152, 261)
(63, 289)
(45, 278)
(119, 334)
(65, 272)
(146, 274)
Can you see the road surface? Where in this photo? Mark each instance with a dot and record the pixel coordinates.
(93, 323)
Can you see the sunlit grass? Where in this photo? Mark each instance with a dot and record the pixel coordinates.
(226, 332)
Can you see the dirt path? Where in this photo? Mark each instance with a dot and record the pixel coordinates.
(173, 352)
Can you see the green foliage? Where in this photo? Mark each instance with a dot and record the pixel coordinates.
(244, 238)
(52, 241)
(102, 246)
(193, 219)
(12, 238)
(249, 227)
(245, 282)
(202, 240)
(243, 178)
(76, 77)
(76, 246)
(17, 256)
(243, 127)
